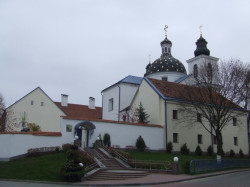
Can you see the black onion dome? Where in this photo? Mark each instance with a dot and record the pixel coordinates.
(166, 41)
(201, 47)
(166, 63)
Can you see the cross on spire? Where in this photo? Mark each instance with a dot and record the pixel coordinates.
(165, 29)
(149, 57)
(201, 29)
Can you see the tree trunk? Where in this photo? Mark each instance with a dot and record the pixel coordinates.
(219, 143)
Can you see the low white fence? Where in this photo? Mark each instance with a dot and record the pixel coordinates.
(14, 145)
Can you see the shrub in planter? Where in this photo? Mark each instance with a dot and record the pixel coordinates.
(66, 147)
(241, 154)
(184, 149)
(232, 153)
(106, 139)
(169, 147)
(140, 144)
(71, 171)
(198, 150)
(210, 151)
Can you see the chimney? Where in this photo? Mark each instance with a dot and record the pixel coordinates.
(64, 100)
(91, 103)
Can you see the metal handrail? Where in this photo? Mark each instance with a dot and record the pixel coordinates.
(166, 164)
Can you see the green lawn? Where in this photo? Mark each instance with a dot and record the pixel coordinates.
(40, 168)
(161, 156)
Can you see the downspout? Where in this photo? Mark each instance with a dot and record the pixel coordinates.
(102, 104)
(248, 119)
(166, 129)
(119, 104)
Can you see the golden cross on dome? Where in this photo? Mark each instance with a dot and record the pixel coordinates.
(165, 28)
(201, 29)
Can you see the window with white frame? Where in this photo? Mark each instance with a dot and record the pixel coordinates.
(111, 104)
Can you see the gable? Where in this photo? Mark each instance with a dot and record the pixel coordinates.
(36, 95)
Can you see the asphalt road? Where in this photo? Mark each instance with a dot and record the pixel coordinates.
(237, 179)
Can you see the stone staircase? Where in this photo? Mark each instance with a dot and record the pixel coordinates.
(111, 169)
(103, 175)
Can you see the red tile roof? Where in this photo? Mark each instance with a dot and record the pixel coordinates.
(117, 122)
(75, 111)
(35, 133)
(190, 93)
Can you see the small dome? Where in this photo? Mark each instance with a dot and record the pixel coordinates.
(166, 41)
(201, 47)
(166, 63)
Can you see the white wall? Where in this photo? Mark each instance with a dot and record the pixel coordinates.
(120, 133)
(112, 92)
(200, 60)
(127, 92)
(46, 116)
(12, 145)
(172, 76)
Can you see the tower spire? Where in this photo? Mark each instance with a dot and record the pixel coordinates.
(201, 29)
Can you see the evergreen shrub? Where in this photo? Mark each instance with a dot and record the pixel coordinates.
(184, 149)
(140, 144)
(198, 150)
(169, 147)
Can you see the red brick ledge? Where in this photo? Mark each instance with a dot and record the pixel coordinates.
(110, 121)
(35, 133)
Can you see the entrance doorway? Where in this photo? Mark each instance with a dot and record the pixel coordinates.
(84, 131)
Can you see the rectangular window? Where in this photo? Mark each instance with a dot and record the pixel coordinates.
(68, 128)
(214, 139)
(42, 103)
(235, 140)
(234, 121)
(164, 78)
(199, 139)
(32, 102)
(175, 137)
(175, 114)
(198, 117)
(111, 104)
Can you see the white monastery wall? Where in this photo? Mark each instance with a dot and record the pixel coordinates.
(121, 134)
(13, 145)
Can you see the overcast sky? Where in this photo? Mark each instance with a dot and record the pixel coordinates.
(80, 47)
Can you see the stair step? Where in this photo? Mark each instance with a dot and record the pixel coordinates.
(117, 175)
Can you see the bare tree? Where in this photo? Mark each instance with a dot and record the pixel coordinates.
(2, 113)
(216, 97)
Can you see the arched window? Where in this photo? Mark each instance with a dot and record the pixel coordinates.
(195, 71)
(209, 70)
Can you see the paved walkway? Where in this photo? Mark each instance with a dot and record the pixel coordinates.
(153, 179)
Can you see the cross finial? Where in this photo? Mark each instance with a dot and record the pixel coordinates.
(165, 28)
(201, 29)
(149, 57)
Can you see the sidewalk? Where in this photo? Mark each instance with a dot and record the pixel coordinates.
(153, 179)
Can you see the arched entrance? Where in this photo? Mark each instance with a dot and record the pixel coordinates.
(84, 130)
